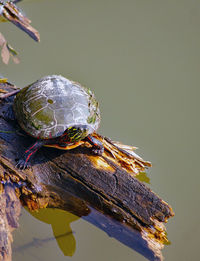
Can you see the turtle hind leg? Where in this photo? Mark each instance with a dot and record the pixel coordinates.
(25, 161)
(97, 146)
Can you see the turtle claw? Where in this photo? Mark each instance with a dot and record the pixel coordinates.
(22, 165)
(97, 146)
(98, 151)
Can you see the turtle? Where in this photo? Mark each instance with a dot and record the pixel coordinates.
(57, 112)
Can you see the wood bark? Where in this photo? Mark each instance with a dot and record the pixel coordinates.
(9, 214)
(104, 190)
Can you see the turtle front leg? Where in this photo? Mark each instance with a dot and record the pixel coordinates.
(24, 162)
(97, 146)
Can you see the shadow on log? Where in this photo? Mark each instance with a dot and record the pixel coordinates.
(103, 189)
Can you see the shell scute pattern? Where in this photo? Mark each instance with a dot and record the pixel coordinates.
(46, 108)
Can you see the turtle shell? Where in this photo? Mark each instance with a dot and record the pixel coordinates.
(49, 106)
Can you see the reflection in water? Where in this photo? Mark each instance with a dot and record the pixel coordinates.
(37, 242)
(142, 176)
(60, 221)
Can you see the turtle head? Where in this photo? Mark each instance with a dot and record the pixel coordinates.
(77, 133)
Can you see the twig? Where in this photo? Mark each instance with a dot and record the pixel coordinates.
(9, 94)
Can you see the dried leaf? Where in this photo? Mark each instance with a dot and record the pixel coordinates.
(2, 40)
(16, 59)
(5, 54)
(3, 80)
(7, 51)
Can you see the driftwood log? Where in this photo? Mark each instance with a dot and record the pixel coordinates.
(104, 190)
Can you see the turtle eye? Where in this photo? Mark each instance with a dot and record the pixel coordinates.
(50, 101)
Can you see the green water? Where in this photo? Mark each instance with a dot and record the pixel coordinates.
(142, 60)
